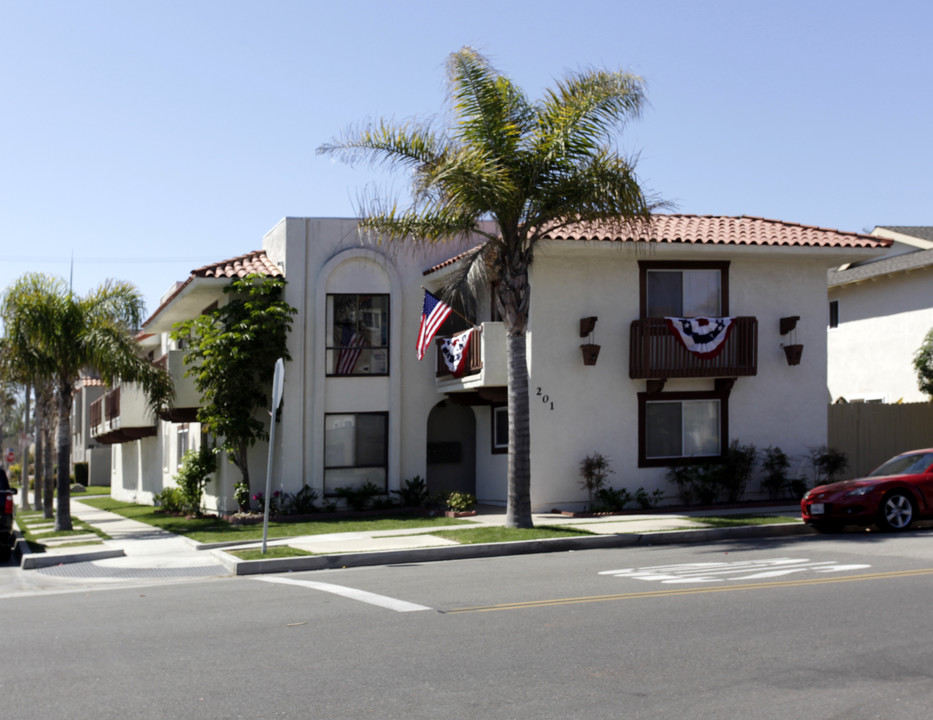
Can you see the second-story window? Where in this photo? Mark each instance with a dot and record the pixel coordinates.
(684, 289)
(357, 334)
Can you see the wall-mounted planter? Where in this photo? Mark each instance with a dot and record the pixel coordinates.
(590, 354)
(793, 354)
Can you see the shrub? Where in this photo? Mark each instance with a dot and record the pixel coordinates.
(706, 484)
(775, 464)
(170, 500)
(301, 503)
(647, 500)
(414, 493)
(827, 464)
(460, 502)
(737, 469)
(608, 499)
(241, 496)
(358, 498)
(273, 502)
(594, 469)
(193, 475)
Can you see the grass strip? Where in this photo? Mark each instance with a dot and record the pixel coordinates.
(276, 551)
(495, 534)
(743, 520)
(26, 519)
(213, 529)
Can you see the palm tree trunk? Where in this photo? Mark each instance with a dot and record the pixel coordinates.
(63, 511)
(40, 456)
(518, 511)
(24, 452)
(48, 484)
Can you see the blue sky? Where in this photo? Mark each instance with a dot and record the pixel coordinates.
(143, 139)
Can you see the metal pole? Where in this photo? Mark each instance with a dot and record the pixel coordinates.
(278, 381)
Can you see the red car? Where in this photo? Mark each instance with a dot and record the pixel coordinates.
(892, 496)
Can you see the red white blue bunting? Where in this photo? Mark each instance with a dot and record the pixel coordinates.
(705, 337)
(454, 351)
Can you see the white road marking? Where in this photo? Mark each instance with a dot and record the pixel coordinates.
(352, 593)
(720, 571)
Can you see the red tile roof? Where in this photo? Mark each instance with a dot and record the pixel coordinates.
(252, 262)
(709, 230)
(240, 266)
(718, 230)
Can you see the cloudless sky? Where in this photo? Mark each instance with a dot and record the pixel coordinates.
(140, 139)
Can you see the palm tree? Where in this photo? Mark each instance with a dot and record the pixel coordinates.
(51, 334)
(530, 169)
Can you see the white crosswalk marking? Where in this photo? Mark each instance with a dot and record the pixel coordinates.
(352, 593)
(722, 571)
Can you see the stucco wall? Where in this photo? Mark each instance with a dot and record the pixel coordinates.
(882, 323)
(578, 410)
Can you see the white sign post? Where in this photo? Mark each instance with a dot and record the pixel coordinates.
(278, 383)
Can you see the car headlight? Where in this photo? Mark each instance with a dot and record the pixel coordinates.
(859, 491)
(807, 494)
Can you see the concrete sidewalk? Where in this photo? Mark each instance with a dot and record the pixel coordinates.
(136, 546)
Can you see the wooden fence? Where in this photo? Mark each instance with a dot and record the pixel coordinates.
(870, 433)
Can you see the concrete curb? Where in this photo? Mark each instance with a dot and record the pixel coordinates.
(523, 547)
(31, 561)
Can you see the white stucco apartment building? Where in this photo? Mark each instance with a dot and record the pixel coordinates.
(372, 412)
(880, 310)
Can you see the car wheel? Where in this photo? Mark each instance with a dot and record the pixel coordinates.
(5, 553)
(896, 512)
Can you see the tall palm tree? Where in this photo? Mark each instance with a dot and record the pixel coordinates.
(52, 334)
(528, 167)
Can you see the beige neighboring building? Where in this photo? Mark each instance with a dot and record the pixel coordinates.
(880, 310)
(359, 407)
(84, 448)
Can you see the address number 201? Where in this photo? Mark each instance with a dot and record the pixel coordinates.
(545, 398)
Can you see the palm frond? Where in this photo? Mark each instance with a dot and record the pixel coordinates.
(384, 144)
(471, 278)
(584, 109)
(494, 114)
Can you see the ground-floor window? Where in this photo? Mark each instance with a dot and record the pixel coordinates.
(355, 450)
(500, 429)
(678, 427)
(183, 443)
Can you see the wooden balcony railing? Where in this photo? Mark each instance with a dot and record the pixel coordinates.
(113, 421)
(655, 353)
(97, 412)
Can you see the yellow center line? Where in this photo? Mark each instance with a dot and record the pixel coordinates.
(691, 591)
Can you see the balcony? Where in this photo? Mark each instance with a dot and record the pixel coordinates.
(121, 415)
(187, 398)
(485, 366)
(656, 354)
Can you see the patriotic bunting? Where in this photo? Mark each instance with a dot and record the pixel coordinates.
(705, 337)
(454, 350)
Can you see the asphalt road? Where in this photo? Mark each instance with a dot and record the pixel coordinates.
(822, 627)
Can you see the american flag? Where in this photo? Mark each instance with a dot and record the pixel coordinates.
(433, 315)
(352, 343)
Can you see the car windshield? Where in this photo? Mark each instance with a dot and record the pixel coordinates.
(911, 464)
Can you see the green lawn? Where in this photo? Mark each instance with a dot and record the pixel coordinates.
(744, 520)
(211, 530)
(468, 536)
